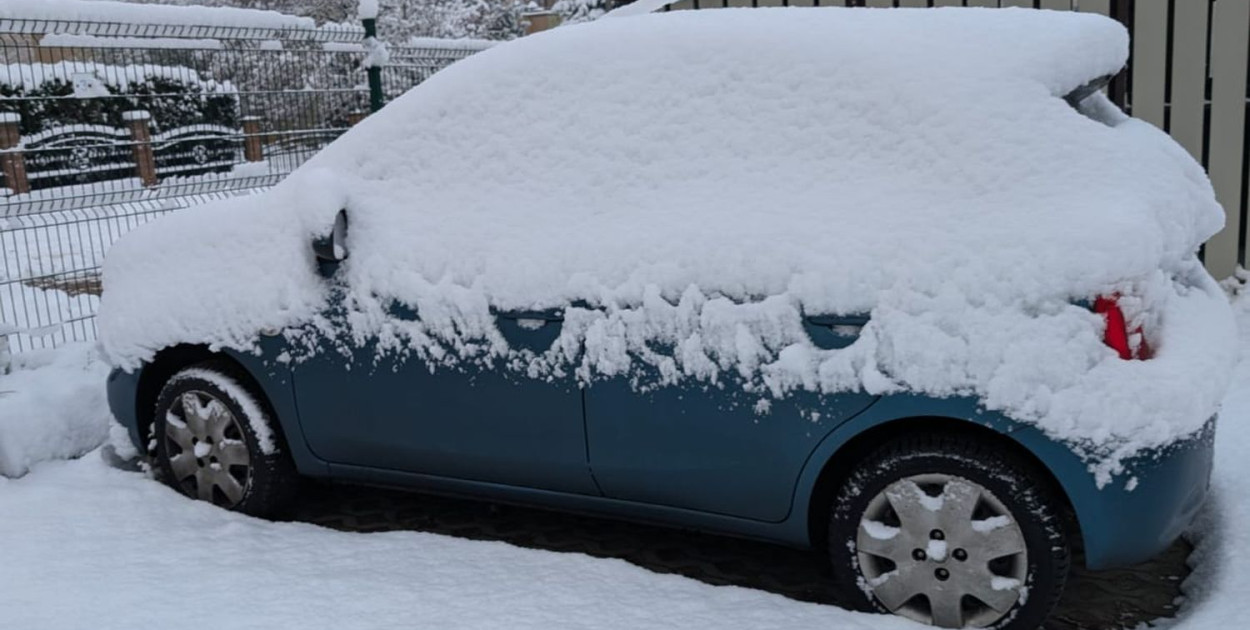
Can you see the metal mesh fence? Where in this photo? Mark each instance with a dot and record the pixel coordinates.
(106, 125)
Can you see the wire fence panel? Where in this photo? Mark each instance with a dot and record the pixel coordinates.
(104, 126)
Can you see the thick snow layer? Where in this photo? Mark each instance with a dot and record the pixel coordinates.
(66, 40)
(124, 12)
(87, 546)
(701, 180)
(52, 406)
(1219, 587)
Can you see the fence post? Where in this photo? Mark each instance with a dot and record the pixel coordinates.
(12, 163)
(141, 138)
(374, 69)
(253, 150)
(6, 356)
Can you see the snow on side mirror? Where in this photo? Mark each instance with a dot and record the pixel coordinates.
(331, 248)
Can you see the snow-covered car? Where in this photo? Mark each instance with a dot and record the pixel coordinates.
(898, 286)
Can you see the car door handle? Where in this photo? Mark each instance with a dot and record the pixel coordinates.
(530, 330)
(531, 320)
(832, 332)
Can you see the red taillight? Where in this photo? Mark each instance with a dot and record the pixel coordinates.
(1117, 335)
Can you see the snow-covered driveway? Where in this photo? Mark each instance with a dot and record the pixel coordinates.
(88, 546)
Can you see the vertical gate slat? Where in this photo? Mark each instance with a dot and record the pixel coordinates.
(879, 3)
(1230, 33)
(913, 3)
(1094, 6)
(770, 3)
(948, 3)
(1189, 76)
(1150, 32)
(681, 5)
(1017, 3)
(1057, 5)
(983, 3)
(738, 3)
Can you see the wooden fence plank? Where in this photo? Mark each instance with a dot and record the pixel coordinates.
(948, 3)
(739, 3)
(1056, 5)
(1150, 32)
(1189, 76)
(913, 3)
(983, 3)
(1230, 39)
(879, 3)
(681, 5)
(1028, 4)
(771, 3)
(1093, 6)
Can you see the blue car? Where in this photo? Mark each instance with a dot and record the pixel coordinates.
(519, 283)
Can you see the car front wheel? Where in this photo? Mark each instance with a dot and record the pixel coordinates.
(949, 530)
(216, 442)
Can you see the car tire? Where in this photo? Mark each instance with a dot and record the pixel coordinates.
(1012, 549)
(227, 449)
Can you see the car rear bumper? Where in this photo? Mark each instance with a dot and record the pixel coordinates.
(1146, 508)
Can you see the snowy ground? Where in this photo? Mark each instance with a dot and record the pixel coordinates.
(86, 545)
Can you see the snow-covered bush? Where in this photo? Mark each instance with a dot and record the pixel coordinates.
(574, 11)
(52, 95)
(52, 406)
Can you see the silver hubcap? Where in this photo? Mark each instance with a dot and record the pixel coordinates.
(942, 550)
(206, 451)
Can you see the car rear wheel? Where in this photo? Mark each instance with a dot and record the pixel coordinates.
(951, 531)
(215, 441)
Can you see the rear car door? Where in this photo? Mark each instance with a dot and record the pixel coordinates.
(711, 449)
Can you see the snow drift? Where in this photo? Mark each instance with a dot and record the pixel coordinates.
(685, 187)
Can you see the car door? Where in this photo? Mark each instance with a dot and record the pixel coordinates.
(711, 449)
(373, 409)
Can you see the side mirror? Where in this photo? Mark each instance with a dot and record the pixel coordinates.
(331, 248)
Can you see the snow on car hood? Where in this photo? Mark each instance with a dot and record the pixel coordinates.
(700, 180)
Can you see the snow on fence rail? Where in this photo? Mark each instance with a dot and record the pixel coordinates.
(108, 122)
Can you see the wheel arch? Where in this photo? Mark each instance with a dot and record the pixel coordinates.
(834, 467)
(272, 379)
(156, 373)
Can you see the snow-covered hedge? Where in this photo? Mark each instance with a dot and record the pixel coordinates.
(67, 92)
(125, 12)
(52, 406)
(687, 186)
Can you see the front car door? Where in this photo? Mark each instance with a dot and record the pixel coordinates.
(492, 425)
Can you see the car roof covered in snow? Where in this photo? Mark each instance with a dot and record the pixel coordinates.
(754, 152)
